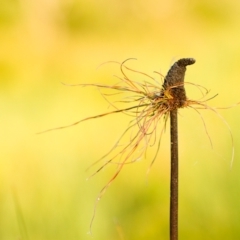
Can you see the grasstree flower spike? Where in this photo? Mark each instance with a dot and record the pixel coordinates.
(149, 102)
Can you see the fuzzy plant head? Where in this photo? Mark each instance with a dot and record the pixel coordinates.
(150, 103)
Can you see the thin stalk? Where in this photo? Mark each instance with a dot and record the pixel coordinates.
(174, 86)
(174, 176)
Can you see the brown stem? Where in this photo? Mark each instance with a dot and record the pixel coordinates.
(174, 82)
(174, 176)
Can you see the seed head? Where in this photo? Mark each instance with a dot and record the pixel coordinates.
(173, 86)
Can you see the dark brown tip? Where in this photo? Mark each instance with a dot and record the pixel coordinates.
(186, 61)
(176, 73)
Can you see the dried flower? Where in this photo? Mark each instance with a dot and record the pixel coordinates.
(149, 103)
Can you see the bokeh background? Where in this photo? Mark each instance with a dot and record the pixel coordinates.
(43, 189)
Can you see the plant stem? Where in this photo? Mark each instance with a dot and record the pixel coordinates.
(174, 83)
(174, 176)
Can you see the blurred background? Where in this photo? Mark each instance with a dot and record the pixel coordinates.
(43, 189)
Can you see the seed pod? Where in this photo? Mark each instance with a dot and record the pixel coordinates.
(173, 82)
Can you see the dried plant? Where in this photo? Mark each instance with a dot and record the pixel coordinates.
(149, 103)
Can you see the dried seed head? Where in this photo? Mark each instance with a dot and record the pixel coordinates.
(173, 86)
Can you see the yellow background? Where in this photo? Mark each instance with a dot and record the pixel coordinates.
(43, 189)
